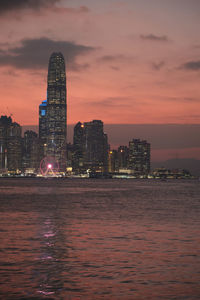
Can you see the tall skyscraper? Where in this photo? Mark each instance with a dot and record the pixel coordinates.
(139, 157)
(43, 128)
(123, 154)
(96, 146)
(79, 139)
(90, 147)
(30, 152)
(10, 145)
(53, 112)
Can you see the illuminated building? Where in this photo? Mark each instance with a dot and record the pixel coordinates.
(56, 110)
(14, 147)
(5, 123)
(118, 159)
(113, 161)
(123, 154)
(163, 173)
(43, 128)
(30, 158)
(70, 157)
(95, 146)
(91, 147)
(10, 145)
(139, 157)
(78, 140)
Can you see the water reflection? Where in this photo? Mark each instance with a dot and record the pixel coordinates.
(49, 266)
(99, 240)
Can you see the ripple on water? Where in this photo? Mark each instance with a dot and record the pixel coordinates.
(99, 239)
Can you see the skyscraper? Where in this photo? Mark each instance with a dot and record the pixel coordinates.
(139, 157)
(118, 159)
(43, 128)
(91, 147)
(53, 113)
(10, 145)
(79, 139)
(5, 123)
(30, 152)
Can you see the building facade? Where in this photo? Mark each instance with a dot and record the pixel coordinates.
(90, 147)
(139, 157)
(30, 152)
(10, 146)
(43, 128)
(53, 113)
(113, 162)
(78, 142)
(118, 159)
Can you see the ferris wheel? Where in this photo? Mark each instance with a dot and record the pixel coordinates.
(49, 166)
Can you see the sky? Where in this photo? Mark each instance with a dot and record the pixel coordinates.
(127, 62)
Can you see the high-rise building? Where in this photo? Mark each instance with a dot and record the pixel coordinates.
(10, 145)
(96, 146)
(53, 112)
(30, 156)
(78, 141)
(43, 128)
(139, 157)
(91, 147)
(5, 123)
(113, 163)
(118, 159)
(14, 147)
(70, 159)
(123, 154)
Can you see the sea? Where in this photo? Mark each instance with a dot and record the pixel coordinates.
(63, 238)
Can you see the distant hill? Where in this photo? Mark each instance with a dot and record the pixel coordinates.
(193, 165)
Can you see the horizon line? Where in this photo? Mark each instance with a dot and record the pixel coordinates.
(125, 123)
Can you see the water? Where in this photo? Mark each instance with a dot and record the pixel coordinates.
(99, 239)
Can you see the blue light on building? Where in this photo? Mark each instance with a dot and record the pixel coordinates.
(43, 112)
(44, 103)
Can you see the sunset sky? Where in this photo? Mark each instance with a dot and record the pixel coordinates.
(130, 61)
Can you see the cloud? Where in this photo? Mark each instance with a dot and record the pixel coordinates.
(112, 102)
(155, 38)
(34, 54)
(81, 9)
(114, 58)
(158, 66)
(196, 46)
(16, 6)
(191, 66)
(13, 5)
(111, 58)
(179, 99)
(115, 68)
(10, 73)
(189, 99)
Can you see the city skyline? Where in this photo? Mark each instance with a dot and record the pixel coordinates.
(128, 62)
(49, 154)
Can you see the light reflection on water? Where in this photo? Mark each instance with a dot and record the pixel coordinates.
(99, 239)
